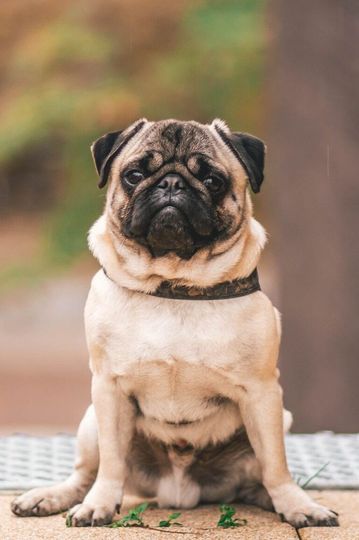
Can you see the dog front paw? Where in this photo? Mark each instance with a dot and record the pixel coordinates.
(47, 501)
(313, 515)
(296, 508)
(99, 506)
(87, 515)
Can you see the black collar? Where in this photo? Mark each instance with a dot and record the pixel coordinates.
(220, 291)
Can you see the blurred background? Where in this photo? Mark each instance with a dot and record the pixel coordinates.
(71, 71)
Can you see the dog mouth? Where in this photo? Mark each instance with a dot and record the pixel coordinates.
(170, 230)
(171, 224)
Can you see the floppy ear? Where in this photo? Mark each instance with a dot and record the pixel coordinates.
(106, 148)
(250, 151)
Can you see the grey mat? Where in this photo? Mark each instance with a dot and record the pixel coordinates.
(319, 461)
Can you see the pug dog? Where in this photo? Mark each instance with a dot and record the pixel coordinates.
(183, 344)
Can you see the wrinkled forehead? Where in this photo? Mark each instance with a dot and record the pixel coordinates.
(176, 141)
(176, 144)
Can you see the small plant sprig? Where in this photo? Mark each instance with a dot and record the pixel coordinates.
(134, 518)
(170, 520)
(309, 480)
(226, 520)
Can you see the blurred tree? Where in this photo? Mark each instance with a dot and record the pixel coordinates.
(313, 149)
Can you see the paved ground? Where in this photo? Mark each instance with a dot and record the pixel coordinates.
(198, 523)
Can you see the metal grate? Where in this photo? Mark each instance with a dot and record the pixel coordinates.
(335, 456)
(27, 461)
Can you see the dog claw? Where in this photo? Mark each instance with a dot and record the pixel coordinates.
(84, 515)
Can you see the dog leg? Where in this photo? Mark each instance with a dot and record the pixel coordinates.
(55, 499)
(115, 421)
(257, 495)
(262, 412)
(229, 471)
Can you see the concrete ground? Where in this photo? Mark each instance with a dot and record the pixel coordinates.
(197, 523)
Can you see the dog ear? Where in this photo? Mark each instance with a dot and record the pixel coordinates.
(249, 150)
(106, 148)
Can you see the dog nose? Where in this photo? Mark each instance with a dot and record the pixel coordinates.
(172, 183)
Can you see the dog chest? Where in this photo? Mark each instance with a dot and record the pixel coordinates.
(135, 328)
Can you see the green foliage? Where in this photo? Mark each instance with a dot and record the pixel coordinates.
(80, 206)
(134, 518)
(170, 520)
(226, 520)
(217, 67)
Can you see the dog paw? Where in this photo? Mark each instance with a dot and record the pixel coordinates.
(87, 515)
(45, 501)
(99, 506)
(296, 507)
(314, 515)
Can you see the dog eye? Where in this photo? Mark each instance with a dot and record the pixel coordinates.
(133, 177)
(214, 184)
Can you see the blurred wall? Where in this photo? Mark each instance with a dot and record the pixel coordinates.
(313, 145)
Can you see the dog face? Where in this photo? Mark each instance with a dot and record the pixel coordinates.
(177, 187)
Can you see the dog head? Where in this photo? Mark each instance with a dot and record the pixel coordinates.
(177, 187)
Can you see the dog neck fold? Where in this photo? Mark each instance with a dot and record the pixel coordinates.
(134, 269)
